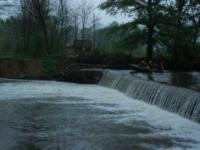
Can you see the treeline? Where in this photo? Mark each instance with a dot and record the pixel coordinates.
(160, 29)
(169, 29)
(37, 28)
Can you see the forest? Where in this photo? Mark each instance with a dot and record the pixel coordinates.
(167, 30)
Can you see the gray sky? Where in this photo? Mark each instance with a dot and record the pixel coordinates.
(103, 16)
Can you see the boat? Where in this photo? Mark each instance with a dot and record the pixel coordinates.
(137, 68)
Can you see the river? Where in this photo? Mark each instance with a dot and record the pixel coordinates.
(49, 115)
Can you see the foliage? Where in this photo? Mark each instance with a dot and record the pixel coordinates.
(47, 28)
(168, 28)
(50, 66)
(41, 28)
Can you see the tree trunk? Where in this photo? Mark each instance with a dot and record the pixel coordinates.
(45, 32)
(76, 29)
(83, 36)
(150, 34)
(44, 27)
(94, 32)
(178, 41)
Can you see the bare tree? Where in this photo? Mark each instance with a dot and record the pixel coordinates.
(4, 4)
(75, 22)
(26, 24)
(86, 8)
(95, 21)
(75, 26)
(64, 15)
(39, 10)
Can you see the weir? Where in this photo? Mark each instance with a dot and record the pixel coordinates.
(184, 102)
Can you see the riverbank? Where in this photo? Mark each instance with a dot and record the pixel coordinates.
(36, 69)
(46, 70)
(21, 68)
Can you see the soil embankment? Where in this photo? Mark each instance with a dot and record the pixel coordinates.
(12, 68)
(37, 69)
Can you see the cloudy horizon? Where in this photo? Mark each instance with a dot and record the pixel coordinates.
(104, 17)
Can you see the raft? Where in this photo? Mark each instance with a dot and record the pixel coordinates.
(137, 68)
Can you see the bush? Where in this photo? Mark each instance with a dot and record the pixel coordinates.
(50, 67)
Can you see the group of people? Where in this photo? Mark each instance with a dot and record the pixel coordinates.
(152, 66)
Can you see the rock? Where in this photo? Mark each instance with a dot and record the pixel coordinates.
(83, 73)
(13, 68)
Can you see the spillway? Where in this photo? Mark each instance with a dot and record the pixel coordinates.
(49, 115)
(184, 102)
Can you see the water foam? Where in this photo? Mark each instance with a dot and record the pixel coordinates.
(162, 122)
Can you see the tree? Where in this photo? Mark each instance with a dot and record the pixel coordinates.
(26, 23)
(193, 10)
(180, 4)
(179, 30)
(94, 28)
(85, 12)
(146, 13)
(39, 10)
(64, 19)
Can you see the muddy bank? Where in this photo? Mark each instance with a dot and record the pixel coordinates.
(38, 69)
(11, 68)
(83, 73)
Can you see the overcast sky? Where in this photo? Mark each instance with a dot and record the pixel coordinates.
(103, 16)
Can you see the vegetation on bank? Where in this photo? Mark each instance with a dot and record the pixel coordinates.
(45, 29)
(167, 28)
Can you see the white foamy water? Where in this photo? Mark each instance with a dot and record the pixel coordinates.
(161, 122)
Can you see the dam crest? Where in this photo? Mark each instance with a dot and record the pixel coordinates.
(184, 102)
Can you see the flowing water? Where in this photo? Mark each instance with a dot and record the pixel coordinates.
(179, 100)
(47, 115)
(190, 80)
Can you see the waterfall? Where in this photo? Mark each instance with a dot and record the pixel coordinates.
(184, 102)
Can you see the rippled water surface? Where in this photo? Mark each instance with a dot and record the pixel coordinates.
(46, 115)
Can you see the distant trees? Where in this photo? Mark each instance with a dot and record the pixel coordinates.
(46, 27)
(41, 28)
(38, 10)
(64, 22)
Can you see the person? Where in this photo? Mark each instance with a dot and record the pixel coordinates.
(161, 67)
(151, 65)
(155, 66)
(143, 64)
